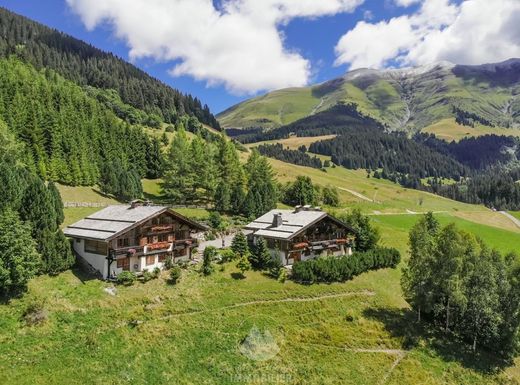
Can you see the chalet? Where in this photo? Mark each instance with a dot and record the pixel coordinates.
(133, 237)
(301, 234)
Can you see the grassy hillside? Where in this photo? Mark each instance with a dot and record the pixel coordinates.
(271, 110)
(403, 99)
(358, 332)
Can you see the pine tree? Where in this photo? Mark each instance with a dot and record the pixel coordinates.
(57, 203)
(261, 256)
(239, 244)
(19, 260)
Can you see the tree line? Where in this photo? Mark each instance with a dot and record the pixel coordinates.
(31, 212)
(457, 282)
(394, 153)
(85, 65)
(298, 157)
(198, 171)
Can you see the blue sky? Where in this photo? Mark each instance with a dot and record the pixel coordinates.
(298, 44)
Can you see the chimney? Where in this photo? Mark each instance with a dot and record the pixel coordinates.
(135, 203)
(306, 207)
(297, 209)
(277, 220)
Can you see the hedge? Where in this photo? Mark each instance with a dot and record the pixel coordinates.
(340, 269)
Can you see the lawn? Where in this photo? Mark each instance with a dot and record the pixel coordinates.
(516, 214)
(503, 240)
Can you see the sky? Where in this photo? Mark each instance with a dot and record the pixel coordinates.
(226, 51)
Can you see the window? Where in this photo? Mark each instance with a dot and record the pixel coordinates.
(95, 247)
(163, 257)
(122, 242)
(181, 234)
(150, 260)
(163, 238)
(123, 263)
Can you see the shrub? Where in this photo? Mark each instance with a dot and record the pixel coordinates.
(156, 272)
(168, 263)
(282, 275)
(126, 278)
(339, 269)
(35, 314)
(175, 274)
(243, 265)
(147, 276)
(227, 255)
(209, 255)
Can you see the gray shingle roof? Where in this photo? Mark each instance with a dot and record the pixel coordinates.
(111, 221)
(293, 222)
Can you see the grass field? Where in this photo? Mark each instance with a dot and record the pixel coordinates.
(449, 130)
(358, 332)
(293, 142)
(516, 214)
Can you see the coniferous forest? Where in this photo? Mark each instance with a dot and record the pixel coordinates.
(86, 65)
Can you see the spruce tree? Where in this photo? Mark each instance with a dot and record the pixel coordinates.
(19, 260)
(239, 244)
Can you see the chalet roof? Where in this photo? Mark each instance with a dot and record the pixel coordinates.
(112, 221)
(293, 222)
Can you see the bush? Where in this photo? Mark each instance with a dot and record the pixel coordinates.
(175, 274)
(147, 276)
(227, 255)
(209, 255)
(35, 314)
(346, 267)
(282, 275)
(168, 263)
(156, 272)
(126, 278)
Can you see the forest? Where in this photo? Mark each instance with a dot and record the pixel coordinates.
(298, 157)
(86, 65)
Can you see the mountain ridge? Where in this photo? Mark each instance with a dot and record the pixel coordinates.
(407, 99)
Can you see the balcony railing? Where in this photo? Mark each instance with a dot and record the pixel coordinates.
(130, 250)
(156, 247)
(319, 245)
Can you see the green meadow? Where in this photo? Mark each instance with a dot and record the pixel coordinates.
(196, 332)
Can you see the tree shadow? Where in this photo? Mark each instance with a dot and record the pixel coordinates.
(237, 276)
(402, 324)
(83, 275)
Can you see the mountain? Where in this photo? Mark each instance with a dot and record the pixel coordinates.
(86, 65)
(400, 99)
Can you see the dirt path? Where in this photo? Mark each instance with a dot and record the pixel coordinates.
(367, 293)
(512, 218)
(355, 193)
(317, 107)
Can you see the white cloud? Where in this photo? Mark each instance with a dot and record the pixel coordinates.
(474, 32)
(406, 3)
(238, 45)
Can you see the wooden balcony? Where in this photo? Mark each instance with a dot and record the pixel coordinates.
(130, 250)
(318, 245)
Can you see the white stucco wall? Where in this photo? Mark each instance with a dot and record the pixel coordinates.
(97, 261)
